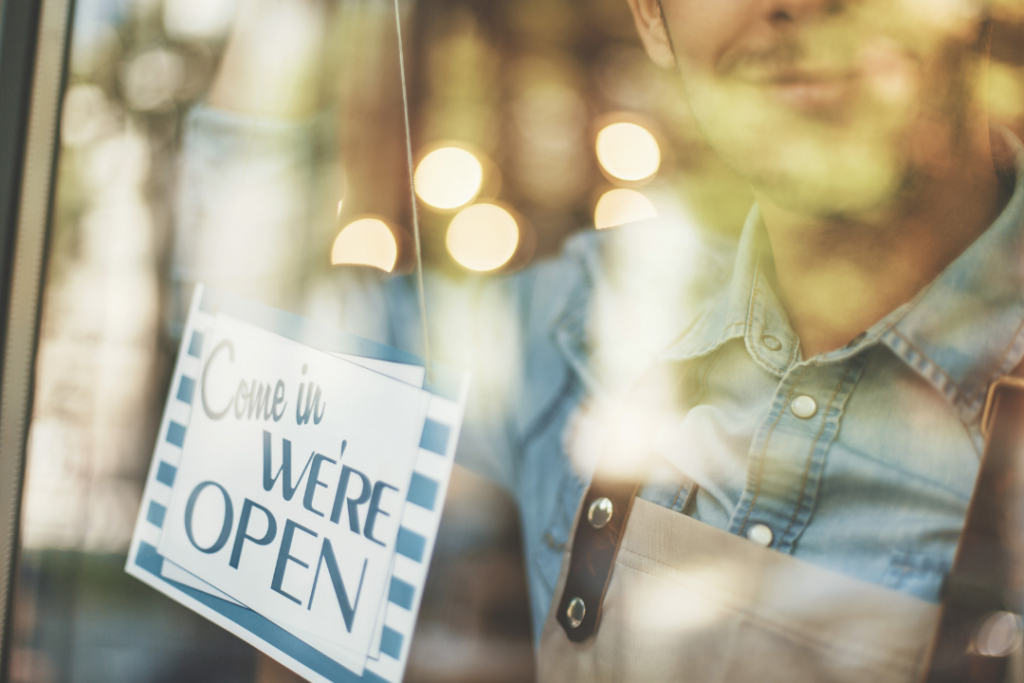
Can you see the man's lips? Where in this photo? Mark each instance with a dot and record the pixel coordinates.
(814, 95)
(808, 90)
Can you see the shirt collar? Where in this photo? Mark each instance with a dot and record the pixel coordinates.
(960, 333)
(747, 309)
(965, 329)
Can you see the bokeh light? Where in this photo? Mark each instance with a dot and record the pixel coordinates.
(448, 178)
(152, 79)
(483, 237)
(628, 151)
(366, 242)
(620, 206)
(198, 19)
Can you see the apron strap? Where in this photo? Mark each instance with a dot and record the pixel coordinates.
(980, 626)
(621, 469)
(607, 505)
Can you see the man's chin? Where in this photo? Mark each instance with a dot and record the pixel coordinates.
(833, 197)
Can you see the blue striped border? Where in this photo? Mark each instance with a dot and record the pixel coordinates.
(210, 302)
(410, 544)
(435, 437)
(401, 593)
(195, 345)
(155, 514)
(186, 388)
(165, 473)
(391, 643)
(176, 434)
(422, 491)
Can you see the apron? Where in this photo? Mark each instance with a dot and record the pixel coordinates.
(689, 602)
(684, 601)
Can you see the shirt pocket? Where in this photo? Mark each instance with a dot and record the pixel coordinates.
(916, 573)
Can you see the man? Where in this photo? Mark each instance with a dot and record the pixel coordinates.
(829, 397)
(804, 482)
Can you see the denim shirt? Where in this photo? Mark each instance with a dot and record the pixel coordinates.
(874, 483)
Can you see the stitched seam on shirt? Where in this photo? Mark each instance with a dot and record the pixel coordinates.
(953, 384)
(931, 362)
(764, 451)
(966, 426)
(676, 499)
(675, 399)
(755, 291)
(1006, 353)
(810, 456)
(908, 473)
(723, 338)
(707, 373)
(753, 296)
(698, 324)
(796, 352)
(543, 421)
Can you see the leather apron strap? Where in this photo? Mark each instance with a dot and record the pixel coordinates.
(982, 595)
(981, 601)
(609, 500)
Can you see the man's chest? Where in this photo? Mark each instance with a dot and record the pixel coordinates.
(858, 466)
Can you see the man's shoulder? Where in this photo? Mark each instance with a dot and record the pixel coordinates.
(628, 291)
(662, 259)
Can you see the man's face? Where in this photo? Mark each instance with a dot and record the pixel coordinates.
(828, 108)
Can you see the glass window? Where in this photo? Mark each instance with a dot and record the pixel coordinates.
(259, 146)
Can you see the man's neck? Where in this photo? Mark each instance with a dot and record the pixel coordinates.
(838, 278)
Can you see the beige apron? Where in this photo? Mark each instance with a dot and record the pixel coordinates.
(689, 602)
(684, 601)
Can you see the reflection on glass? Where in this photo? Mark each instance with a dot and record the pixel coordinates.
(366, 242)
(198, 19)
(620, 206)
(628, 151)
(448, 178)
(483, 237)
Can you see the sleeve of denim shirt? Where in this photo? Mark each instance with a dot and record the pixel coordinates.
(233, 169)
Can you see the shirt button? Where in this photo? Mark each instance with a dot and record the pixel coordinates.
(804, 407)
(761, 535)
(772, 343)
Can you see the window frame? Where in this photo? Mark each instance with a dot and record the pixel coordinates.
(34, 46)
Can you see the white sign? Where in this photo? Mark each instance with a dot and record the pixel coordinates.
(286, 481)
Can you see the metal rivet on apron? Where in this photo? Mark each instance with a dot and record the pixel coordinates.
(600, 513)
(998, 634)
(577, 610)
(761, 535)
(772, 343)
(804, 407)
